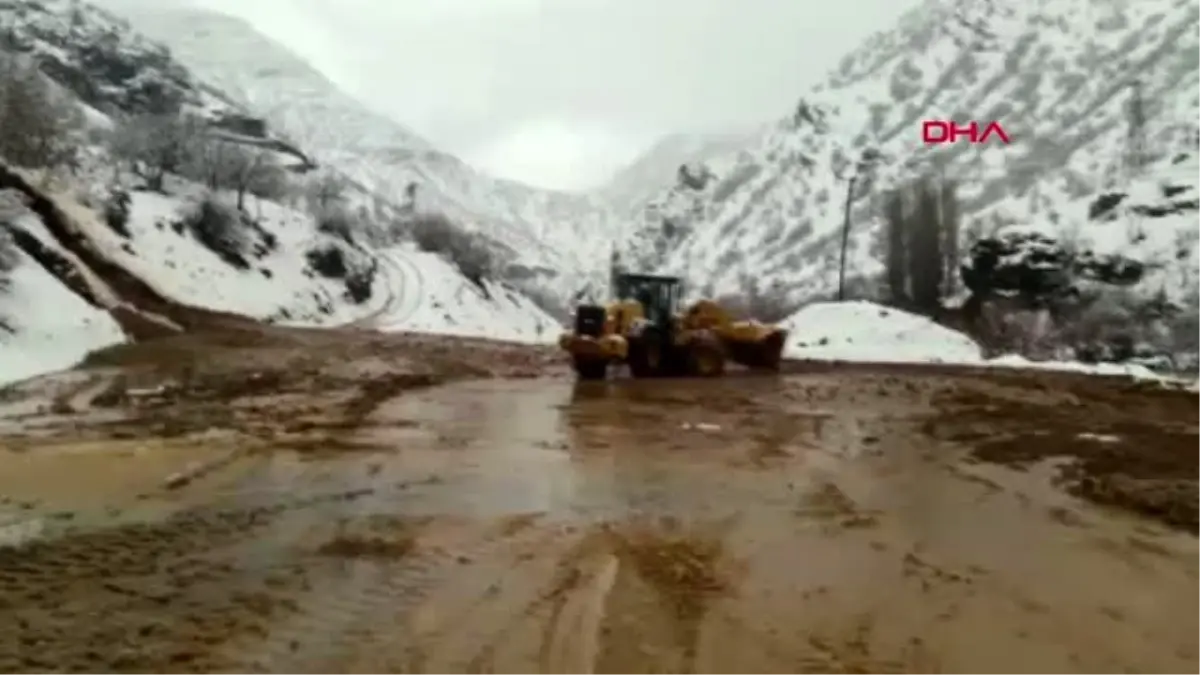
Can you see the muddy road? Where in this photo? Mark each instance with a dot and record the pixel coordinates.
(368, 507)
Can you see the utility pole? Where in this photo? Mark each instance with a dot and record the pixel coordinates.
(1135, 159)
(862, 169)
(614, 270)
(1135, 140)
(845, 238)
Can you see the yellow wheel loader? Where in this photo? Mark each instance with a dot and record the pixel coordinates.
(644, 330)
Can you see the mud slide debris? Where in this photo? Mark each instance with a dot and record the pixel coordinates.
(349, 502)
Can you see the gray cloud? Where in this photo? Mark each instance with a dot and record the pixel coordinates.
(561, 92)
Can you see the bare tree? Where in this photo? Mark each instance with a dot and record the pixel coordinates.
(896, 253)
(246, 170)
(1136, 155)
(326, 191)
(205, 163)
(42, 127)
(436, 233)
(155, 145)
(861, 172)
(949, 217)
(925, 260)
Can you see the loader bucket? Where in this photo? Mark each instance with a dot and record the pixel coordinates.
(764, 353)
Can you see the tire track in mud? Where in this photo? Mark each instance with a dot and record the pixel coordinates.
(172, 591)
(362, 614)
(506, 596)
(165, 589)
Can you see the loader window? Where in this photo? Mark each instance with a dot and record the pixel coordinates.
(649, 304)
(656, 295)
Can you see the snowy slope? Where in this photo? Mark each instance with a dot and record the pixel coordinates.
(1056, 76)
(429, 296)
(270, 262)
(279, 285)
(44, 327)
(630, 188)
(408, 290)
(48, 327)
(97, 56)
(555, 239)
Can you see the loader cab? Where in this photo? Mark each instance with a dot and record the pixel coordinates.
(658, 295)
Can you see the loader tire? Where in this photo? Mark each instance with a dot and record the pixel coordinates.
(706, 357)
(771, 351)
(645, 357)
(591, 369)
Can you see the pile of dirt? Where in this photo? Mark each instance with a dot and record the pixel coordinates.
(302, 386)
(379, 536)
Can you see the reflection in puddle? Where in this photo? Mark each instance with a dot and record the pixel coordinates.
(522, 446)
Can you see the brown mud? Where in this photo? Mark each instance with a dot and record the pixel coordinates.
(362, 503)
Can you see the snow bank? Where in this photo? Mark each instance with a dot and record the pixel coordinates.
(865, 331)
(53, 327)
(1138, 372)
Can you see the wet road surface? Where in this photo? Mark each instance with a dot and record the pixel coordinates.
(820, 523)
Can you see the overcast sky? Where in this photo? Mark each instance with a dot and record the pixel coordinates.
(561, 93)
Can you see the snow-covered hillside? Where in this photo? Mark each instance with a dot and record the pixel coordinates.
(631, 187)
(283, 271)
(44, 326)
(188, 245)
(1057, 75)
(557, 241)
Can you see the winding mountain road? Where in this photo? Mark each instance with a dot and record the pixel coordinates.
(404, 285)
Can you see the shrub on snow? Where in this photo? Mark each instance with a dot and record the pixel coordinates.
(338, 224)
(116, 210)
(226, 231)
(355, 270)
(436, 234)
(219, 228)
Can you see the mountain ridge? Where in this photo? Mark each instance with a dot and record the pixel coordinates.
(552, 238)
(774, 207)
(134, 258)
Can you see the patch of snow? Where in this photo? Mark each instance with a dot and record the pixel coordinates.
(171, 260)
(861, 331)
(865, 331)
(1099, 438)
(53, 327)
(431, 296)
(1137, 372)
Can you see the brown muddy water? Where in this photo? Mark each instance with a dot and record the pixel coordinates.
(823, 523)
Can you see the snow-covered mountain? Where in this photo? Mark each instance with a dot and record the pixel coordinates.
(88, 257)
(1059, 76)
(285, 271)
(556, 241)
(631, 187)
